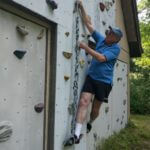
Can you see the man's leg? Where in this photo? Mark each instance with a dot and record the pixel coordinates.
(95, 109)
(84, 102)
(94, 113)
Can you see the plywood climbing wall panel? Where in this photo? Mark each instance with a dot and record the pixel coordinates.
(119, 94)
(22, 82)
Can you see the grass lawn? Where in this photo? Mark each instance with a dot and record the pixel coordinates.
(136, 136)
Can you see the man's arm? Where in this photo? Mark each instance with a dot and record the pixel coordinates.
(85, 17)
(93, 53)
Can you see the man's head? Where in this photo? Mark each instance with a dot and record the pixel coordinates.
(113, 35)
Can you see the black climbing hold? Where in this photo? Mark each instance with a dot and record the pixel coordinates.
(106, 110)
(86, 54)
(111, 3)
(108, 127)
(124, 102)
(95, 136)
(117, 120)
(104, 23)
(39, 107)
(110, 28)
(52, 3)
(91, 44)
(88, 36)
(119, 79)
(67, 34)
(117, 64)
(19, 53)
(106, 32)
(89, 62)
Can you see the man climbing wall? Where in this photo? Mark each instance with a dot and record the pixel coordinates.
(99, 80)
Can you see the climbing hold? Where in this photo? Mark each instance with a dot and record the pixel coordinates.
(119, 79)
(88, 36)
(111, 4)
(67, 34)
(104, 23)
(86, 54)
(91, 44)
(113, 1)
(117, 119)
(39, 107)
(108, 127)
(83, 35)
(22, 30)
(66, 78)
(53, 4)
(106, 32)
(19, 53)
(102, 6)
(71, 109)
(41, 34)
(110, 27)
(124, 102)
(117, 64)
(106, 110)
(82, 63)
(67, 55)
(95, 136)
(5, 131)
(75, 7)
(121, 122)
(89, 62)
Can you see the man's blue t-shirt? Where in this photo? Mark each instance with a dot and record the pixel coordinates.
(103, 71)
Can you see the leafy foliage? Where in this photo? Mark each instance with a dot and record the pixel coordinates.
(140, 70)
(144, 7)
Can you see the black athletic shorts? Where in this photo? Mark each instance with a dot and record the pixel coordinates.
(100, 89)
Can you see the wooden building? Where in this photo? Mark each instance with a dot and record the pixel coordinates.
(37, 67)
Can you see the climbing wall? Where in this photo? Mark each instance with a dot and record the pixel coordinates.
(119, 97)
(22, 84)
(24, 78)
(103, 17)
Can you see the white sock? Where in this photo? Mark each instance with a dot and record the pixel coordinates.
(78, 129)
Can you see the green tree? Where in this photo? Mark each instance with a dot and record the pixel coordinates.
(140, 67)
(144, 7)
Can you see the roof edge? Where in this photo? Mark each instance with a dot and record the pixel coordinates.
(131, 21)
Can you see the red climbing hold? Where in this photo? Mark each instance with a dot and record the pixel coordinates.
(102, 6)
